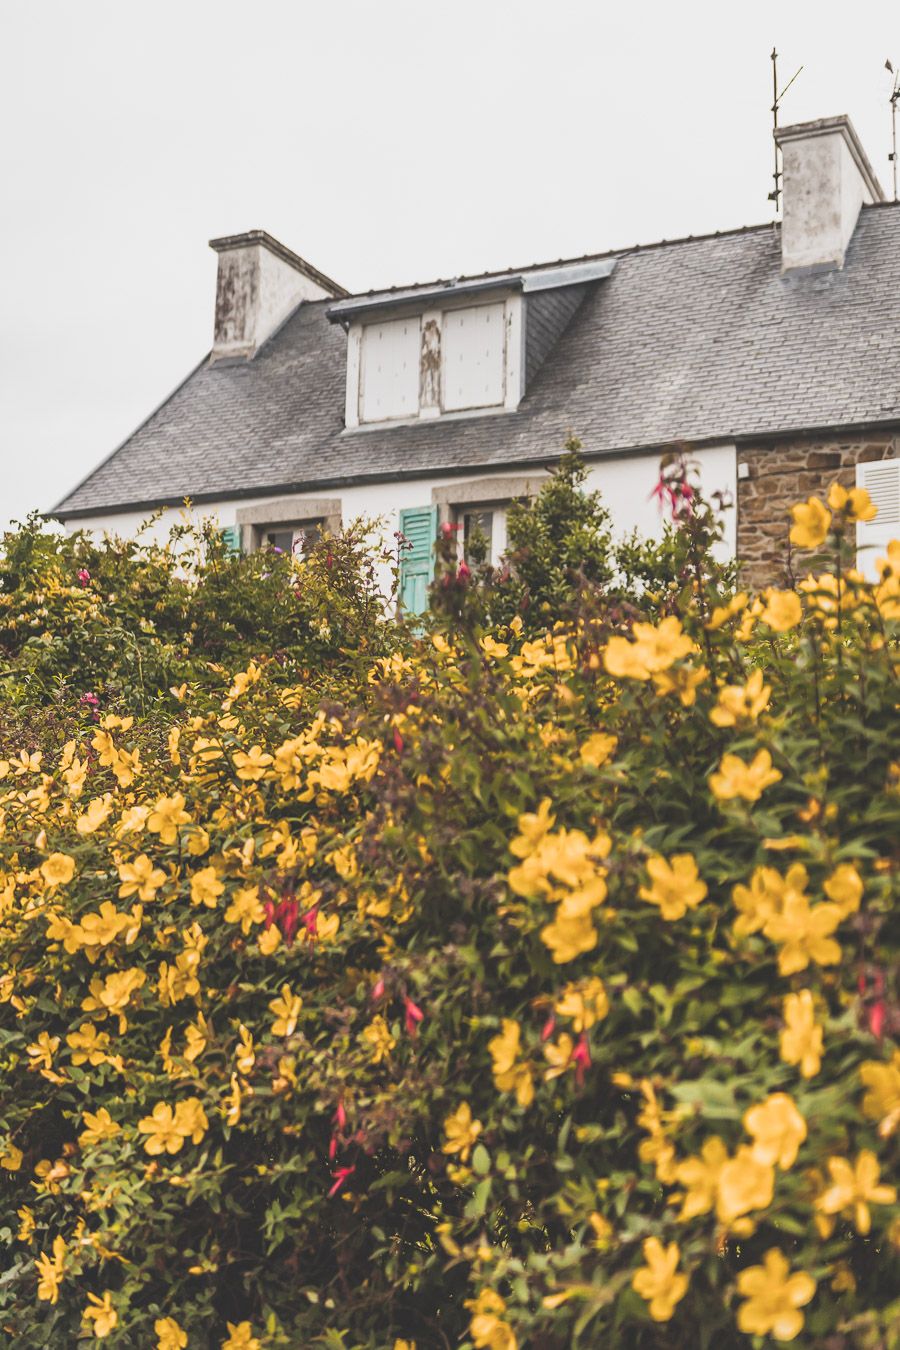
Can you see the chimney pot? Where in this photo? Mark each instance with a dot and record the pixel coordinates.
(826, 179)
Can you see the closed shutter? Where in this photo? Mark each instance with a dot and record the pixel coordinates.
(881, 479)
(231, 538)
(418, 525)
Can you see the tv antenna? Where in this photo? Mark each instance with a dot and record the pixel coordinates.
(894, 100)
(775, 194)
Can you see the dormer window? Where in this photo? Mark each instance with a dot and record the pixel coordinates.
(455, 349)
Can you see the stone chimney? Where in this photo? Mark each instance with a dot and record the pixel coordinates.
(827, 178)
(259, 283)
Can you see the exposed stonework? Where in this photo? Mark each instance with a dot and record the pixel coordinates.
(782, 473)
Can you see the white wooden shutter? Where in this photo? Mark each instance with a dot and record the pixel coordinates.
(389, 371)
(474, 357)
(881, 479)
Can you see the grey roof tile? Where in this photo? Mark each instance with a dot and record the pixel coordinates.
(697, 340)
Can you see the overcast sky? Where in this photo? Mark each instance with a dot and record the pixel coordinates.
(385, 142)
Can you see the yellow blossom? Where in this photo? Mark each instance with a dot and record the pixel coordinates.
(103, 1315)
(286, 1008)
(855, 503)
(461, 1132)
(492, 648)
(140, 878)
(170, 1336)
(190, 1119)
(745, 1183)
(487, 1328)
(741, 702)
(11, 1157)
(773, 1297)
(676, 885)
(700, 1178)
(252, 765)
(585, 1003)
(659, 1281)
(50, 1271)
(27, 1225)
(854, 1188)
(653, 649)
(597, 749)
(100, 1127)
(882, 1100)
(206, 887)
(803, 932)
(378, 1038)
(510, 1073)
(96, 814)
(777, 1129)
(782, 611)
(113, 994)
(240, 1337)
(163, 1134)
(722, 613)
(765, 896)
(58, 869)
(735, 778)
(603, 1231)
(811, 522)
(166, 817)
(41, 1051)
(88, 1045)
(245, 1054)
(246, 908)
(845, 888)
(572, 932)
(801, 1039)
(683, 681)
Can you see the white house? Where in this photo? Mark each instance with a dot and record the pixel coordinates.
(772, 351)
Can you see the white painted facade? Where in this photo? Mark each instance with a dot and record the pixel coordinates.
(626, 483)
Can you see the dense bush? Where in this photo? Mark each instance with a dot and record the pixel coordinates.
(531, 991)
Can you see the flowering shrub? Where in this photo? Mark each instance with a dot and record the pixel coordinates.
(531, 991)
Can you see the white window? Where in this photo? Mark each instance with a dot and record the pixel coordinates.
(473, 357)
(881, 479)
(487, 525)
(295, 539)
(389, 370)
(454, 360)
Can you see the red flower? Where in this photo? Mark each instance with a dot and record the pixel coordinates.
(548, 1028)
(463, 572)
(414, 1015)
(84, 576)
(378, 989)
(340, 1176)
(581, 1057)
(398, 742)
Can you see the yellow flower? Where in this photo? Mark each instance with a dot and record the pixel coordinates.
(801, 1039)
(58, 869)
(27, 1225)
(240, 1337)
(163, 1133)
(50, 1271)
(571, 933)
(245, 1054)
(103, 1315)
(854, 1188)
(100, 1127)
(169, 1333)
(206, 887)
(41, 1051)
(811, 522)
(764, 897)
(745, 1183)
(882, 1100)
(245, 908)
(487, 1327)
(684, 682)
(803, 933)
(598, 748)
(700, 1178)
(585, 1003)
(741, 702)
(722, 613)
(88, 1045)
(533, 827)
(782, 611)
(141, 878)
(97, 812)
(737, 779)
(603, 1231)
(165, 818)
(286, 1008)
(252, 765)
(114, 993)
(778, 1130)
(11, 1157)
(774, 1298)
(659, 1281)
(855, 503)
(190, 1119)
(845, 888)
(494, 649)
(377, 1036)
(655, 648)
(676, 885)
(510, 1073)
(461, 1131)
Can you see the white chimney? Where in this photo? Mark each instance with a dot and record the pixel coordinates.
(259, 283)
(827, 178)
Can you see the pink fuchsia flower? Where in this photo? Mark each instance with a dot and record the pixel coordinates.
(340, 1175)
(463, 572)
(84, 576)
(414, 1015)
(548, 1028)
(398, 742)
(378, 989)
(581, 1058)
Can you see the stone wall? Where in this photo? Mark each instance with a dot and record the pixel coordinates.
(782, 473)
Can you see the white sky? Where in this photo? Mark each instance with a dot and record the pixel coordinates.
(386, 141)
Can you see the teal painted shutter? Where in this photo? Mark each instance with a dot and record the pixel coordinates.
(419, 526)
(231, 537)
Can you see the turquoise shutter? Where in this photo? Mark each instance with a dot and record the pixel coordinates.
(231, 538)
(418, 524)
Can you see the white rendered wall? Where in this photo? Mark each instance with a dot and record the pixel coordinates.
(626, 484)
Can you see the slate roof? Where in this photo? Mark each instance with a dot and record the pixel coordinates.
(700, 340)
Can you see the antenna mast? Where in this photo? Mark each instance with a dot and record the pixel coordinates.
(775, 194)
(894, 100)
